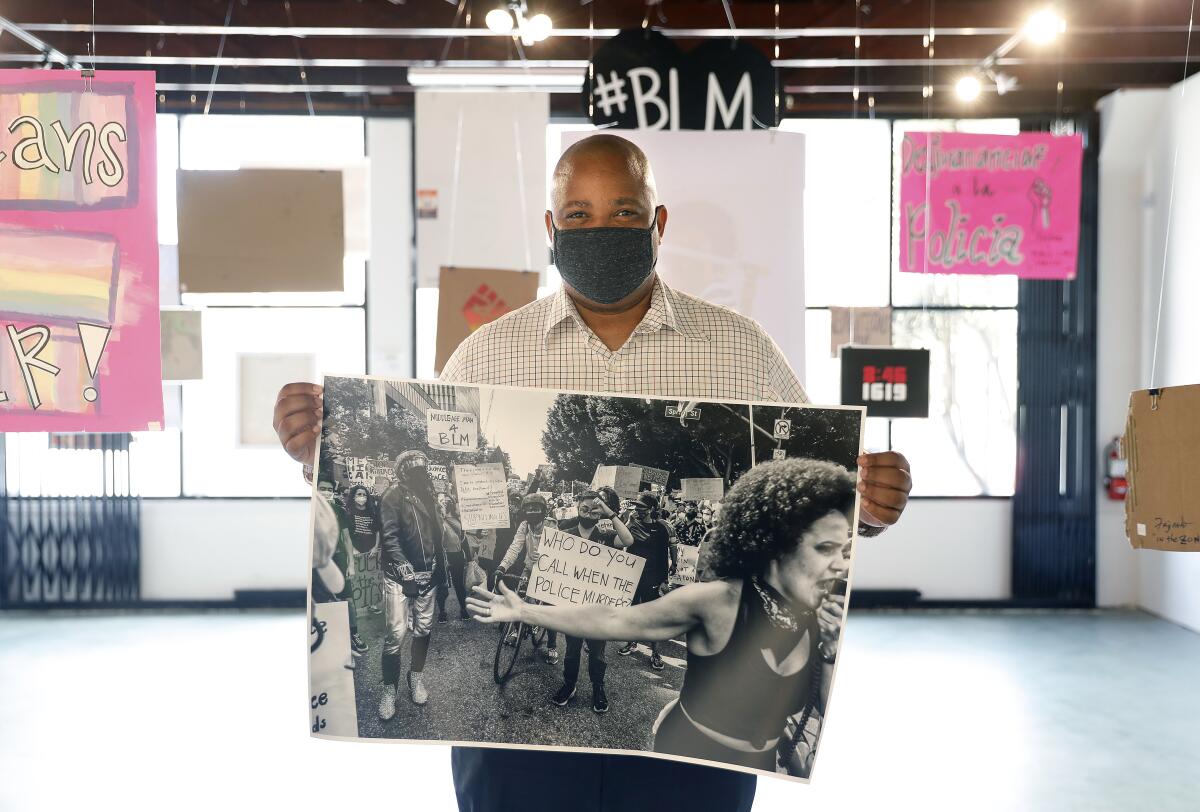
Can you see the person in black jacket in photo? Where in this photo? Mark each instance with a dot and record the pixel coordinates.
(413, 564)
(652, 542)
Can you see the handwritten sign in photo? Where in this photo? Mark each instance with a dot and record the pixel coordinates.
(482, 496)
(573, 570)
(624, 479)
(655, 476)
(685, 567)
(696, 490)
(990, 204)
(452, 431)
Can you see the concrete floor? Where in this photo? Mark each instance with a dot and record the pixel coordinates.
(1067, 711)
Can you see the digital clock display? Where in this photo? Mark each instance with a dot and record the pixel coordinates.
(884, 384)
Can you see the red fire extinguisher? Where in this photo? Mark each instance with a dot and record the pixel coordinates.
(1115, 483)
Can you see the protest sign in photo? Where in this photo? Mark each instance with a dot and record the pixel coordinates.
(589, 514)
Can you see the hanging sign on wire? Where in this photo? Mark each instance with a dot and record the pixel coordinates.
(990, 204)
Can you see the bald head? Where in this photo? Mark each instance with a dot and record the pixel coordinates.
(615, 160)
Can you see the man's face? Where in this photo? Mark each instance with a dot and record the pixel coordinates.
(601, 191)
(589, 509)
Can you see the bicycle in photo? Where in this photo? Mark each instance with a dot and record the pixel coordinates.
(508, 650)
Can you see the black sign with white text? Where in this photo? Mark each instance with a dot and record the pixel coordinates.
(889, 382)
(642, 79)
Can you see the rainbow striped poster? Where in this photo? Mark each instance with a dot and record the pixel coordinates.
(79, 334)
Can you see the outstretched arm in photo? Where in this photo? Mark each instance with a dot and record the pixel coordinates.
(674, 614)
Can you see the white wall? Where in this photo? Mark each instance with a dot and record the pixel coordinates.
(1127, 123)
(1160, 130)
(949, 549)
(389, 265)
(207, 549)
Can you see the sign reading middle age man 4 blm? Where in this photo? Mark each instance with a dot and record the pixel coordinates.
(990, 204)
(452, 431)
(572, 570)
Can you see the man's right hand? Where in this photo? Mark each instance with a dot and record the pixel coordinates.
(297, 420)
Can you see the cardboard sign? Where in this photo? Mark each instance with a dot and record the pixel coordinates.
(79, 336)
(1161, 445)
(889, 382)
(257, 230)
(573, 570)
(685, 568)
(364, 584)
(624, 479)
(655, 476)
(437, 473)
(332, 710)
(182, 344)
(451, 431)
(710, 488)
(469, 298)
(482, 495)
(864, 326)
(990, 204)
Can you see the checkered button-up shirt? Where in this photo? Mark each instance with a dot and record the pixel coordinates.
(684, 347)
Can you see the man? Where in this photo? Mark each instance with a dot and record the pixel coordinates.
(652, 542)
(411, 559)
(595, 520)
(613, 327)
(692, 531)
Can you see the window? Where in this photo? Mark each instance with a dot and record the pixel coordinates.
(967, 447)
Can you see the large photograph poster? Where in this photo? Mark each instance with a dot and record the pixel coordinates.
(79, 331)
(760, 546)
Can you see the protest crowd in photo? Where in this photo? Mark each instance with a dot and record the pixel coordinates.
(623, 508)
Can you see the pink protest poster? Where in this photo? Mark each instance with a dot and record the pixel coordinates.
(990, 204)
(79, 336)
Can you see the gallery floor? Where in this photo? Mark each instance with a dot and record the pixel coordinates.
(1014, 711)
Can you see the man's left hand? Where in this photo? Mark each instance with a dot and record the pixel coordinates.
(884, 481)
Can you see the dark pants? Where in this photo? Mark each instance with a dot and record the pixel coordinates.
(495, 780)
(596, 660)
(458, 570)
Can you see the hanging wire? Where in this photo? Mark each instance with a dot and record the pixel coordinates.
(778, 120)
(1162, 282)
(212, 82)
(857, 49)
(462, 4)
(287, 7)
(591, 57)
(729, 17)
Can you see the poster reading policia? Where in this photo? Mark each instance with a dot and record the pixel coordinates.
(690, 623)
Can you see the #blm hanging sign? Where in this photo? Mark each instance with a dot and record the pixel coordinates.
(990, 204)
(640, 79)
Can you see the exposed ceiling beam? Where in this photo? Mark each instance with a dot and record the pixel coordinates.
(584, 33)
(45, 50)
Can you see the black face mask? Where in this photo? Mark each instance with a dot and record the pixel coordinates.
(534, 518)
(605, 264)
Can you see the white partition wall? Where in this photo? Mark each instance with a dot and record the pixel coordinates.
(735, 228)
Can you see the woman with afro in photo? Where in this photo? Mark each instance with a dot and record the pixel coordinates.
(761, 635)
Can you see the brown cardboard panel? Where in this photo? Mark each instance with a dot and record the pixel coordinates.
(1162, 444)
(861, 326)
(261, 230)
(469, 298)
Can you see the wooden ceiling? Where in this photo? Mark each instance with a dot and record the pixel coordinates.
(1108, 44)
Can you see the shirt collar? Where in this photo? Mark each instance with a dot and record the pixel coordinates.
(664, 312)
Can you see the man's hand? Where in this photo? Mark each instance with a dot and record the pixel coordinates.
(297, 420)
(884, 482)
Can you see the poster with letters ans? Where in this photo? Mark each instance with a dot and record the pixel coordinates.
(79, 331)
(490, 680)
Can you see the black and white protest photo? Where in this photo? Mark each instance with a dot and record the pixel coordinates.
(528, 567)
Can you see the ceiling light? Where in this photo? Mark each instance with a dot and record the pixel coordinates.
(968, 88)
(1044, 26)
(499, 21)
(539, 27)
